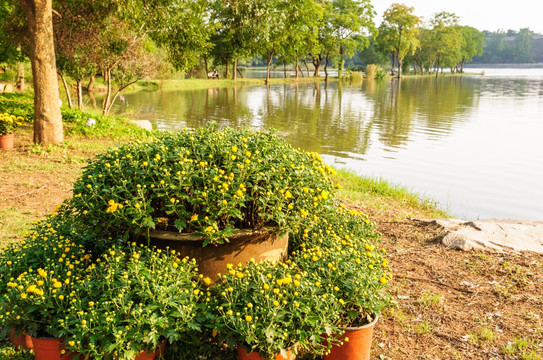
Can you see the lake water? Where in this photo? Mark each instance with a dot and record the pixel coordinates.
(474, 143)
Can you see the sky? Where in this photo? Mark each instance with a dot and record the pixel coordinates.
(481, 14)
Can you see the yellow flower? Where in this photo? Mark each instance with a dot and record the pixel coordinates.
(23, 296)
(276, 291)
(209, 229)
(61, 297)
(207, 281)
(234, 148)
(288, 195)
(248, 318)
(194, 217)
(229, 313)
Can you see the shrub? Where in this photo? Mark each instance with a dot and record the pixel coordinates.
(341, 251)
(43, 270)
(207, 182)
(131, 300)
(272, 308)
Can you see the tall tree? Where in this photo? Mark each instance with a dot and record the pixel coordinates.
(473, 45)
(349, 20)
(47, 116)
(398, 32)
(522, 46)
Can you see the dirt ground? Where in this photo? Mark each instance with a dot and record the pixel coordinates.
(450, 304)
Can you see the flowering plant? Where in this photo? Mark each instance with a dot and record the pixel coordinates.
(131, 300)
(44, 269)
(9, 123)
(341, 251)
(271, 308)
(206, 181)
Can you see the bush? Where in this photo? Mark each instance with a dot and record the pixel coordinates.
(207, 182)
(132, 299)
(272, 308)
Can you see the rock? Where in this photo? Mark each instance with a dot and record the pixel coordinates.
(144, 124)
(6, 88)
(90, 122)
(499, 235)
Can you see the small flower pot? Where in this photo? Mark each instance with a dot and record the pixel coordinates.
(21, 341)
(152, 355)
(358, 346)
(50, 349)
(242, 246)
(253, 355)
(6, 141)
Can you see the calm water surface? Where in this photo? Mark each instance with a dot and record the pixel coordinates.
(474, 144)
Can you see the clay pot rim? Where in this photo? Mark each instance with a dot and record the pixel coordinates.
(363, 326)
(176, 236)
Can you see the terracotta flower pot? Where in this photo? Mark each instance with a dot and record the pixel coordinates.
(6, 141)
(211, 259)
(243, 355)
(152, 355)
(50, 349)
(21, 341)
(359, 345)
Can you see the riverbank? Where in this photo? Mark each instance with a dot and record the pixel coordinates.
(450, 304)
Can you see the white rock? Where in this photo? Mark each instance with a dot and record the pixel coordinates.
(500, 235)
(144, 124)
(90, 122)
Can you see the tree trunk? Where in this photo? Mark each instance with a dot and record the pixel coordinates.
(317, 61)
(462, 65)
(90, 87)
(306, 68)
(297, 65)
(107, 98)
(207, 68)
(79, 94)
(326, 67)
(341, 63)
(20, 84)
(47, 116)
(399, 67)
(67, 90)
(239, 72)
(268, 65)
(234, 69)
(285, 69)
(227, 75)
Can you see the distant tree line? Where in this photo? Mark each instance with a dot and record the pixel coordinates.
(511, 47)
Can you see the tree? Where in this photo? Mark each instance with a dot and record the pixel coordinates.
(473, 45)
(445, 40)
(47, 116)
(522, 46)
(349, 19)
(398, 32)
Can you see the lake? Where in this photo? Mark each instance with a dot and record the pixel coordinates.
(472, 143)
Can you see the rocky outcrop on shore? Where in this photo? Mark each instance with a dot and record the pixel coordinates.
(498, 235)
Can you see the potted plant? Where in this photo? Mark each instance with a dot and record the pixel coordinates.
(274, 311)
(8, 126)
(133, 300)
(341, 251)
(46, 266)
(207, 186)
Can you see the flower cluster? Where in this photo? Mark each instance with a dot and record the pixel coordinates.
(271, 308)
(341, 252)
(207, 182)
(38, 285)
(131, 300)
(9, 123)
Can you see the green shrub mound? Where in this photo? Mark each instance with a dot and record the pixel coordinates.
(207, 182)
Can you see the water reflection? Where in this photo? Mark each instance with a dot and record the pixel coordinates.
(429, 134)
